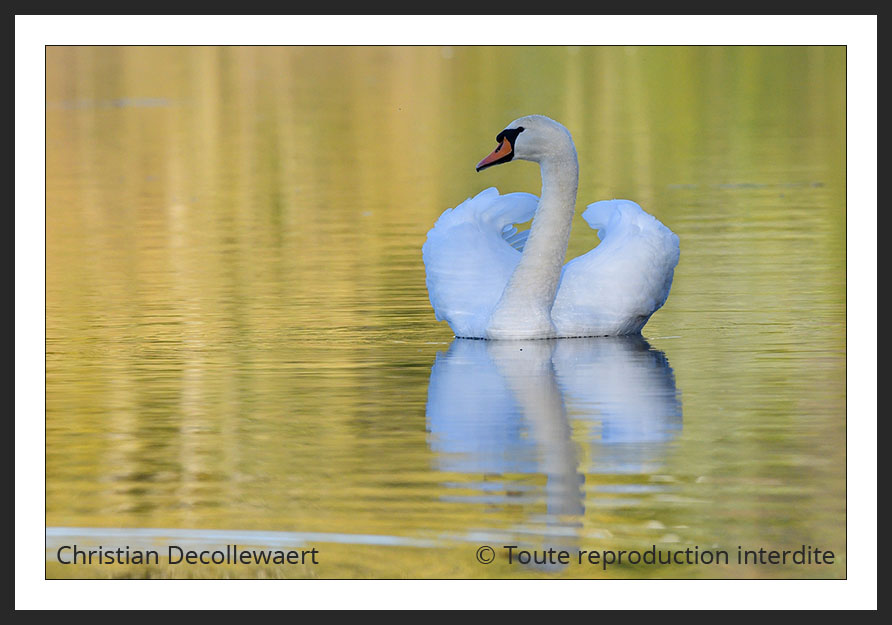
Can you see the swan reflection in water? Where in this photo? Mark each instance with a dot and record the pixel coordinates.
(510, 408)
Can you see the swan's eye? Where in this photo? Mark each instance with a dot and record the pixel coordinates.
(509, 134)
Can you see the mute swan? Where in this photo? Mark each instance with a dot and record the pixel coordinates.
(489, 281)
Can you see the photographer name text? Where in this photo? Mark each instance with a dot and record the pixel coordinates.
(176, 555)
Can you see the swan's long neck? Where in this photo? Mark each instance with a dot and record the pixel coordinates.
(524, 310)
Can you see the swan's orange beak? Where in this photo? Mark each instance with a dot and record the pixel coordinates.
(504, 151)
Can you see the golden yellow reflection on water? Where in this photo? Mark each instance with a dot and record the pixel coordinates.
(239, 336)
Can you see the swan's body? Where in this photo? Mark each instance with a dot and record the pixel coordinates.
(488, 281)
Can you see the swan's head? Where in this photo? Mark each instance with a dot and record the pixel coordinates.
(529, 138)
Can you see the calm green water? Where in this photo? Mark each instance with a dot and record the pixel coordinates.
(240, 347)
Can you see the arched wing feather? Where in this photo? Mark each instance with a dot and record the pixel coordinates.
(470, 254)
(616, 287)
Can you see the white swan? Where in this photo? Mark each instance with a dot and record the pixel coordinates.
(489, 281)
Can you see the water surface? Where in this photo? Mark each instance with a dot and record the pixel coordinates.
(240, 347)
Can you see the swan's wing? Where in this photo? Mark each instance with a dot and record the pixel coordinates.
(515, 239)
(616, 287)
(470, 254)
